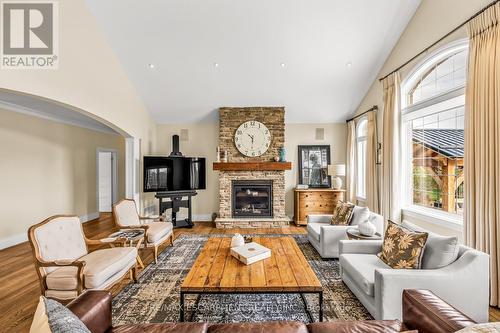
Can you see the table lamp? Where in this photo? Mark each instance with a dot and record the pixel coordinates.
(336, 170)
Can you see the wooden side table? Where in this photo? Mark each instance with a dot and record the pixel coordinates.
(315, 201)
(134, 237)
(353, 233)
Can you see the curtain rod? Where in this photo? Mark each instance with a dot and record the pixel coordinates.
(442, 38)
(374, 108)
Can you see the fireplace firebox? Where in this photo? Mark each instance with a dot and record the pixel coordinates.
(252, 198)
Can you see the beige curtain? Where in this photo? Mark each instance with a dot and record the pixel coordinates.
(391, 146)
(482, 142)
(372, 201)
(351, 162)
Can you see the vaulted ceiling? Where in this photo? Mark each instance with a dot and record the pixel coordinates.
(317, 58)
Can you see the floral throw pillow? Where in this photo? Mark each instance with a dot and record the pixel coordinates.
(342, 214)
(403, 248)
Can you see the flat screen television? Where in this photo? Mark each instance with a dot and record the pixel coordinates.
(162, 174)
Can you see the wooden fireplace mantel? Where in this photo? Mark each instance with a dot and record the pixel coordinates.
(253, 166)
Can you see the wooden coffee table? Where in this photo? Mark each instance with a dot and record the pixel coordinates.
(215, 271)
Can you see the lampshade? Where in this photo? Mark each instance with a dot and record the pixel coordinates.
(336, 170)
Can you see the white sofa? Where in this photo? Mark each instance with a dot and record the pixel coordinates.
(464, 283)
(326, 237)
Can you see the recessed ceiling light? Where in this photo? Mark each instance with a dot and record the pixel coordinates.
(151, 66)
(282, 64)
(216, 64)
(349, 64)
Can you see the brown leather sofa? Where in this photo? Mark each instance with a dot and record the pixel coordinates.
(422, 311)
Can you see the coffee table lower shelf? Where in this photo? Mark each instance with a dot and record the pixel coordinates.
(199, 293)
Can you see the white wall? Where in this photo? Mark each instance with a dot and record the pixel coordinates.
(433, 19)
(105, 181)
(48, 168)
(204, 139)
(304, 134)
(90, 79)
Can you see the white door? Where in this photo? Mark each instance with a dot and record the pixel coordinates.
(105, 181)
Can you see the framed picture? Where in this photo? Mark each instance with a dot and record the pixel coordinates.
(313, 165)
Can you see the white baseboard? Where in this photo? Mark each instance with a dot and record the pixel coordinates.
(23, 237)
(13, 240)
(89, 217)
(202, 217)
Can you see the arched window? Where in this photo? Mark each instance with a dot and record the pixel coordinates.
(361, 133)
(433, 98)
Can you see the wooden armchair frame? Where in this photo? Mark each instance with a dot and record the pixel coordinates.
(40, 263)
(141, 226)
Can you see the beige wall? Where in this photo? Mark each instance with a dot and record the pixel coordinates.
(304, 134)
(48, 168)
(433, 19)
(203, 140)
(90, 79)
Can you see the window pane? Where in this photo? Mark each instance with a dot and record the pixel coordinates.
(444, 76)
(361, 162)
(362, 128)
(437, 160)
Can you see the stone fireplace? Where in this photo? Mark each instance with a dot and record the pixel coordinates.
(252, 198)
(252, 189)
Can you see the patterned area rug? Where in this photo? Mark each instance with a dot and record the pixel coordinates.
(155, 298)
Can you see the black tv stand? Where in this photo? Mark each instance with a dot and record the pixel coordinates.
(174, 200)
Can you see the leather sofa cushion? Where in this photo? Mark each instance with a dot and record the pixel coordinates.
(100, 265)
(94, 310)
(372, 326)
(314, 229)
(163, 328)
(275, 327)
(158, 230)
(361, 269)
(428, 313)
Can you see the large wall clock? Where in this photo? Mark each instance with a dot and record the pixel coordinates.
(252, 138)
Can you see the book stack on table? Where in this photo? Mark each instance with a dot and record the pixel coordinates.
(250, 253)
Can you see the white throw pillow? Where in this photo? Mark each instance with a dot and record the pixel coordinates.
(439, 251)
(482, 328)
(40, 323)
(359, 214)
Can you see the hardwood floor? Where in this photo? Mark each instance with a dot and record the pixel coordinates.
(19, 287)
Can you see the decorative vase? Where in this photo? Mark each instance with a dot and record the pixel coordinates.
(367, 228)
(282, 152)
(276, 158)
(237, 240)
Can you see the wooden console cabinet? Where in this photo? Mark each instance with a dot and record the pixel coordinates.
(315, 201)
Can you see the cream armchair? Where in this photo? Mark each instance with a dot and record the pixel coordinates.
(156, 233)
(65, 266)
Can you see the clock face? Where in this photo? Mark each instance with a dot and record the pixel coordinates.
(252, 138)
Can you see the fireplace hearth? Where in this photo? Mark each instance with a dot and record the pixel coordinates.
(252, 198)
